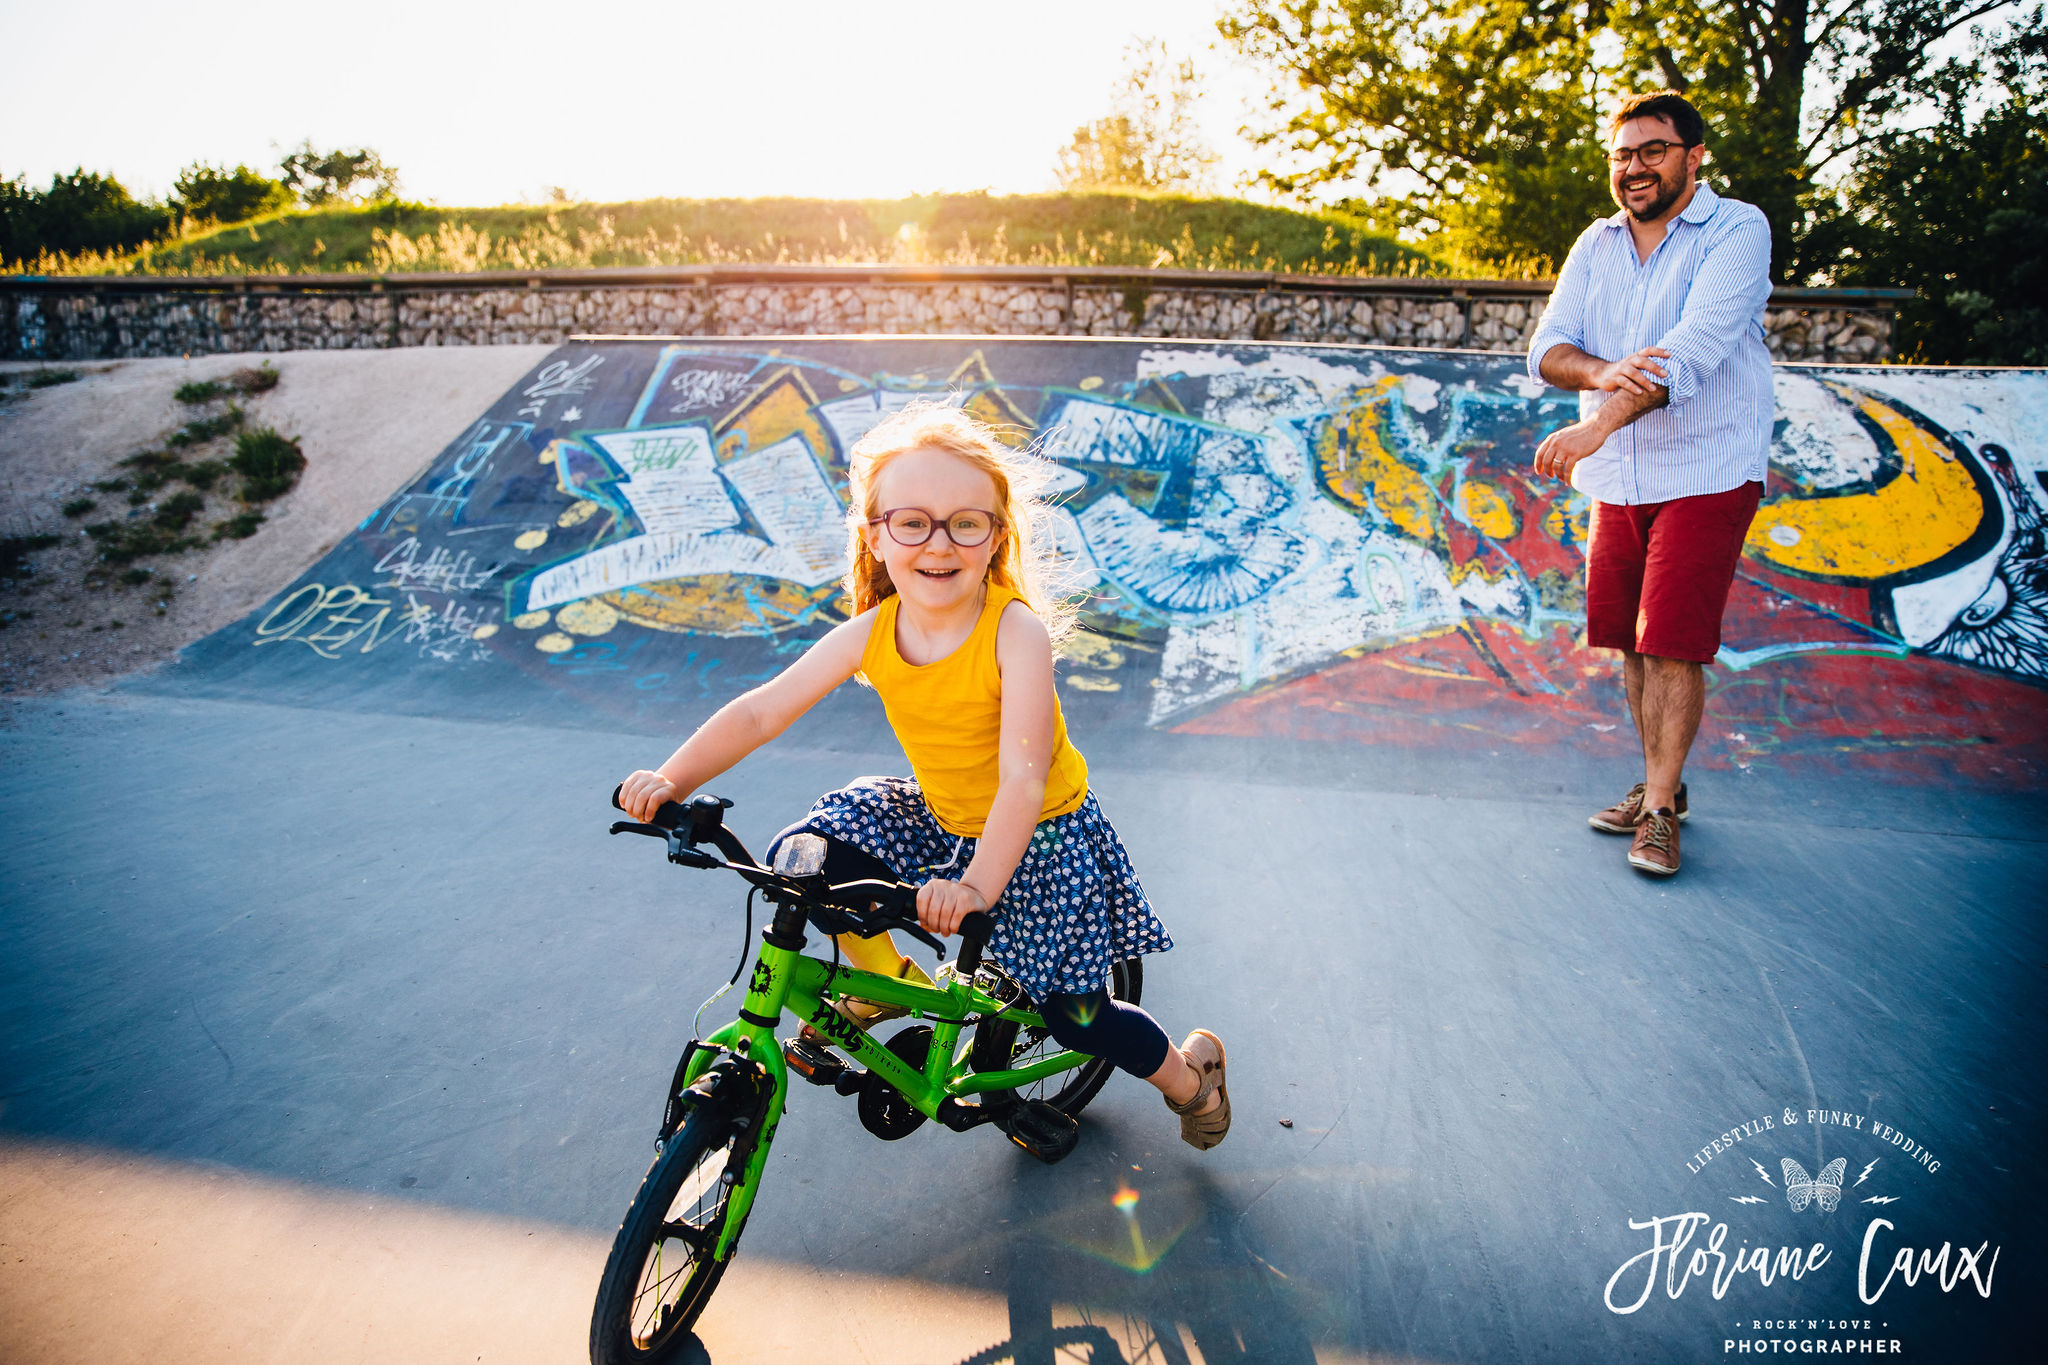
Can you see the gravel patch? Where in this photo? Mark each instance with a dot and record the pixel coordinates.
(367, 421)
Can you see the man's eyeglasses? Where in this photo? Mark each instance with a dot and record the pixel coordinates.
(1649, 153)
(911, 527)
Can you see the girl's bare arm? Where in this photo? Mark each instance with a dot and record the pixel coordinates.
(1024, 655)
(748, 721)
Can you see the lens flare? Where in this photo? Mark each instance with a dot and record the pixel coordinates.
(1125, 1199)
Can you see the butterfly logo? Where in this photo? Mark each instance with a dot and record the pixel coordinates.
(1824, 1189)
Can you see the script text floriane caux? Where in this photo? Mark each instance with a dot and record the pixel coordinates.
(1672, 1235)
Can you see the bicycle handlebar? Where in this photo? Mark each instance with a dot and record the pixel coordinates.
(684, 826)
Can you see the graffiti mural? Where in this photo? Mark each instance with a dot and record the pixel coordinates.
(1333, 543)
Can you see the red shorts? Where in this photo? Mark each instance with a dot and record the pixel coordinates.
(1657, 573)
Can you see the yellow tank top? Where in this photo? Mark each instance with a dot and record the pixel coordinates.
(948, 716)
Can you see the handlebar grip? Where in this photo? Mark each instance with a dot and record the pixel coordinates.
(974, 932)
(670, 815)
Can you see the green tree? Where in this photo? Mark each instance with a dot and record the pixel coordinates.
(82, 211)
(342, 176)
(1149, 139)
(212, 194)
(1471, 118)
(1957, 212)
(1485, 117)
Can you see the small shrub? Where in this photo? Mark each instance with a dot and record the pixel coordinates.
(78, 507)
(48, 379)
(240, 526)
(269, 463)
(261, 379)
(132, 577)
(199, 391)
(204, 474)
(176, 511)
(124, 542)
(15, 550)
(139, 497)
(111, 486)
(206, 428)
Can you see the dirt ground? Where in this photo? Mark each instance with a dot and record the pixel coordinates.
(367, 421)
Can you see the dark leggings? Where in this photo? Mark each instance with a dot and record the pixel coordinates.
(1094, 1023)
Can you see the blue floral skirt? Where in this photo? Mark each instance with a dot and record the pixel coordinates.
(1073, 907)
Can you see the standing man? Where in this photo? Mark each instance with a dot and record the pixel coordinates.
(1657, 320)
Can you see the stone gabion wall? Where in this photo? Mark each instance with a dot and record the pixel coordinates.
(1827, 334)
(86, 322)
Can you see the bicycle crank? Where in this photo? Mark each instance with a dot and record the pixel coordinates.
(1041, 1130)
(883, 1110)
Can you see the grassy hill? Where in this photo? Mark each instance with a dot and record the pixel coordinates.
(964, 229)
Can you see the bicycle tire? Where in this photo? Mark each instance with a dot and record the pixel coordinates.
(627, 1326)
(1070, 1091)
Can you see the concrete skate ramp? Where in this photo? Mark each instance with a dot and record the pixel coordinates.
(1334, 544)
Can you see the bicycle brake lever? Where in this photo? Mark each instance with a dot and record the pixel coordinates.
(635, 827)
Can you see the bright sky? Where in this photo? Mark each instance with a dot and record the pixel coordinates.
(485, 104)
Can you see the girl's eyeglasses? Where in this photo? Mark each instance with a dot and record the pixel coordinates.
(911, 527)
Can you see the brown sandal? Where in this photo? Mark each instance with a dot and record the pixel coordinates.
(1203, 1051)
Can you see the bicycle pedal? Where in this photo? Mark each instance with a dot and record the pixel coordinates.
(815, 1063)
(1041, 1130)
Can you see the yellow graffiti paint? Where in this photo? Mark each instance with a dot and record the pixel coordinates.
(529, 540)
(589, 617)
(530, 620)
(554, 642)
(720, 604)
(782, 406)
(1487, 510)
(1358, 469)
(1569, 521)
(1092, 382)
(576, 515)
(1089, 650)
(484, 631)
(1927, 509)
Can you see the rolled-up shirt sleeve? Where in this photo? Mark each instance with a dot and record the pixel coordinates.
(1732, 284)
(1564, 317)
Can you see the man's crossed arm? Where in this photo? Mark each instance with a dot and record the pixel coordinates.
(1637, 383)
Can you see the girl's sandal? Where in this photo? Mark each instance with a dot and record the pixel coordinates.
(1204, 1053)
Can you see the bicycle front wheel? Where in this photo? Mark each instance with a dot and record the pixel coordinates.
(661, 1272)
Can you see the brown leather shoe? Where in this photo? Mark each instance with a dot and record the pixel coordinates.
(1624, 815)
(1656, 846)
(1204, 1053)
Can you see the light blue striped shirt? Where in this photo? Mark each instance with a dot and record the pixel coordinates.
(1700, 296)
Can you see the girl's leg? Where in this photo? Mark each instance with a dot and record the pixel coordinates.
(1129, 1038)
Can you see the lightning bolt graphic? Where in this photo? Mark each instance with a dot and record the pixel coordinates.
(1744, 1199)
(1866, 1173)
(1764, 1173)
(1882, 1199)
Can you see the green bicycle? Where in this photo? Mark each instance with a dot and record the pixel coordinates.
(976, 1052)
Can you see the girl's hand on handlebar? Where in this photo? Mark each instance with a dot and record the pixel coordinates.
(641, 795)
(941, 905)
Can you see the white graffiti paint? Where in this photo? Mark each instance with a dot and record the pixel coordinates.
(558, 379)
(688, 508)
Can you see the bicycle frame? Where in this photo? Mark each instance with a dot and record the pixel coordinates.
(784, 979)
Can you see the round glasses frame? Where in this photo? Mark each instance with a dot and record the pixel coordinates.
(892, 519)
(1651, 153)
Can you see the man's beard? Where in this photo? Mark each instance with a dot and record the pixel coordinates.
(1667, 195)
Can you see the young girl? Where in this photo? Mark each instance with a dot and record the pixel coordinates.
(954, 629)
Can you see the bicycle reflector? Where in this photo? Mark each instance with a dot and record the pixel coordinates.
(801, 855)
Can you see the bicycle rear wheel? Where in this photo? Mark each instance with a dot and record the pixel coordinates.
(1001, 1046)
(661, 1274)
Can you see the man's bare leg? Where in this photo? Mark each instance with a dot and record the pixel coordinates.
(1667, 698)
